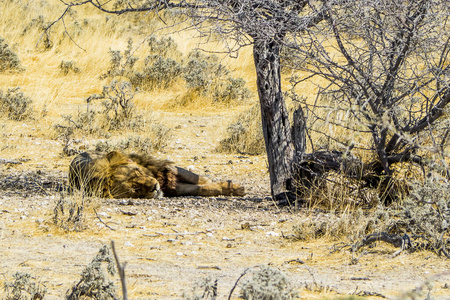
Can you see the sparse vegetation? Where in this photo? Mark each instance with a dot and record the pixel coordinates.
(15, 105)
(24, 287)
(267, 283)
(116, 112)
(68, 213)
(245, 134)
(9, 61)
(203, 74)
(203, 290)
(206, 75)
(94, 282)
(68, 66)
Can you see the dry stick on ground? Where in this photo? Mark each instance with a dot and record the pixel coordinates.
(101, 221)
(121, 269)
(394, 239)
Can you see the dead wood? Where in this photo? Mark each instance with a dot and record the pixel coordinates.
(121, 269)
(394, 239)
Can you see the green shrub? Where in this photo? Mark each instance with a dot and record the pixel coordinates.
(15, 105)
(8, 59)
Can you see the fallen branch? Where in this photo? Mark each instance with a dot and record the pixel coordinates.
(394, 239)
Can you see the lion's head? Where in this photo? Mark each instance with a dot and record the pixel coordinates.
(112, 175)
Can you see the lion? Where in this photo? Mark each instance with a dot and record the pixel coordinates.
(119, 175)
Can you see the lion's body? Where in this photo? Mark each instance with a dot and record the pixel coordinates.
(117, 175)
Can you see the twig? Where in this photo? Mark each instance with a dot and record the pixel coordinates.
(235, 284)
(209, 267)
(101, 221)
(121, 269)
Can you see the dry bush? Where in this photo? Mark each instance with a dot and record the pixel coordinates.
(39, 24)
(162, 67)
(426, 215)
(68, 213)
(245, 134)
(158, 139)
(68, 66)
(9, 61)
(94, 282)
(351, 223)
(24, 287)
(116, 112)
(205, 74)
(204, 289)
(267, 283)
(15, 105)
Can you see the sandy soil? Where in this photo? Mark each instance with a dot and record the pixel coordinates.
(170, 244)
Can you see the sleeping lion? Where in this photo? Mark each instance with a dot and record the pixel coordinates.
(118, 175)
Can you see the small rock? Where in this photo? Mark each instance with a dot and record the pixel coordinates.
(272, 233)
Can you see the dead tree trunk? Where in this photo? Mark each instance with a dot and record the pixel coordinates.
(274, 116)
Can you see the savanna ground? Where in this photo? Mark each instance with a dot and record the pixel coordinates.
(172, 243)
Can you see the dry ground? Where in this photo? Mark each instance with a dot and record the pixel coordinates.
(170, 244)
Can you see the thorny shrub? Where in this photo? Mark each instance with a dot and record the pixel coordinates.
(118, 105)
(117, 112)
(24, 287)
(15, 105)
(9, 61)
(94, 282)
(121, 64)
